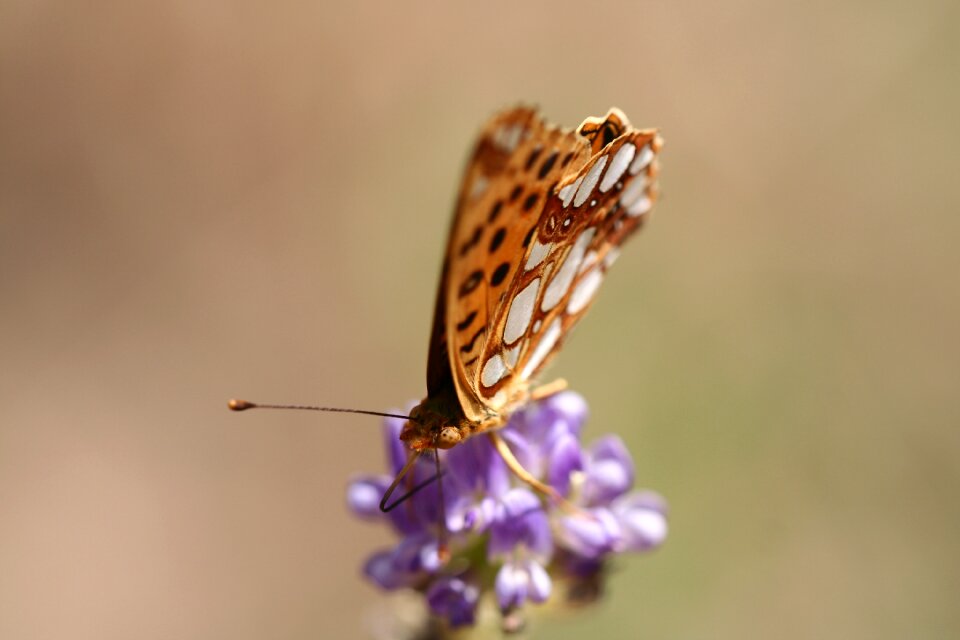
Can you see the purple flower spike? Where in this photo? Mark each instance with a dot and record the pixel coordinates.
(502, 535)
(454, 599)
(516, 582)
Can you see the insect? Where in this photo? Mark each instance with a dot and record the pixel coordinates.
(540, 217)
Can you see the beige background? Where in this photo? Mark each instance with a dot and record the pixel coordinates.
(201, 200)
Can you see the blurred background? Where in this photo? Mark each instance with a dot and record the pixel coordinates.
(200, 201)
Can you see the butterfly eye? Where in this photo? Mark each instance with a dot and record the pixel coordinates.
(449, 436)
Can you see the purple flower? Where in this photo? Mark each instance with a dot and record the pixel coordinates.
(364, 493)
(591, 534)
(520, 521)
(504, 537)
(643, 520)
(518, 581)
(608, 471)
(414, 559)
(545, 437)
(454, 599)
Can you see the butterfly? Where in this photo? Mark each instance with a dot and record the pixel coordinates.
(539, 219)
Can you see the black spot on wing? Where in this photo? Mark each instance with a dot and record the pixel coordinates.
(547, 165)
(497, 239)
(500, 274)
(531, 200)
(466, 322)
(494, 211)
(473, 241)
(467, 348)
(532, 158)
(610, 132)
(529, 237)
(471, 283)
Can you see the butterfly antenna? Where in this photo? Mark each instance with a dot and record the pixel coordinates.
(443, 546)
(384, 507)
(409, 494)
(243, 405)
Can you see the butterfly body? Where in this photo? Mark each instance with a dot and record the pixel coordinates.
(539, 219)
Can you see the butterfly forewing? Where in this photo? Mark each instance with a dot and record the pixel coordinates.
(515, 163)
(539, 218)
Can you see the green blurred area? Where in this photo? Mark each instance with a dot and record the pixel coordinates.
(198, 202)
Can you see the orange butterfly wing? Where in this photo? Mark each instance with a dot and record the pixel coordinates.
(539, 217)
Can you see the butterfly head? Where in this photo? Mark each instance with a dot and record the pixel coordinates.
(433, 425)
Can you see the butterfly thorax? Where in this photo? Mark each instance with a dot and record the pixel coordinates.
(438, 423)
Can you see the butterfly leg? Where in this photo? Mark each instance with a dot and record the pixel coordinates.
(514, 465)
(549, 389)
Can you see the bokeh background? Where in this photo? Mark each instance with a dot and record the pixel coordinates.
(206, 200)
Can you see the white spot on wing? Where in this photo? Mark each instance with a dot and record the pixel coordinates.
(521, 311)
(479, 186)
(508, 137)
(513, 136)
(589, 182)
(612, 254)
(617, 166)
(550, 337)
(561, 281)
(537, 254)
(633, 192)
(642, 160)
(588, 261)
(566, 194)
(640, 207)
(511, 355)
(584, 291)
(493, 371)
